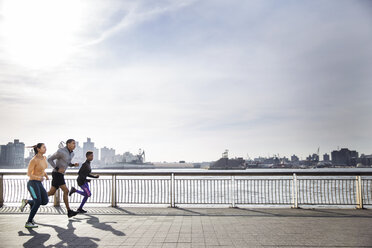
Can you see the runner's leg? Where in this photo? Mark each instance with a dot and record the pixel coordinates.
(34, 189)
(52, 191)
(65, 195)
(44, 196)
(87, 194)
(80, 192)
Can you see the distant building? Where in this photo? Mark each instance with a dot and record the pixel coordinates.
(313, 158)
(225, 163)
(128, 157)
(326, 157)
(285, 160)
(259, 159)
(107, 155)
(344, 157)
(79, 154)
(271, 160)
(13, 154)
(89, 146)
(366, 160)
(31, 154)
(294, 158)
(118, 158)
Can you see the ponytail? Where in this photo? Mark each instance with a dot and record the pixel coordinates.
(35, 147)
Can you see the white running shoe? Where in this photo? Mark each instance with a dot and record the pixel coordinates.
(30, 225)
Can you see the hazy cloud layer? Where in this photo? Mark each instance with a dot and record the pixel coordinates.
(186, 79)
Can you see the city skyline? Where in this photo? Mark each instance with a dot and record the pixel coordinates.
(110, 156)
(186, 80)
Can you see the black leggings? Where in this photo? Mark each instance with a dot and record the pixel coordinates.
(39, 197)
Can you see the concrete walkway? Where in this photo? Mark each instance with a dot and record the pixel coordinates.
(192, 227)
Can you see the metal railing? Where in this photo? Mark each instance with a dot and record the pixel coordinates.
(232, 188)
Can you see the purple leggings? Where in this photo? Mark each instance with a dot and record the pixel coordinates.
(86, 193)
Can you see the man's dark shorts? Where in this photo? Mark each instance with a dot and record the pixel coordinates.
(58, 179)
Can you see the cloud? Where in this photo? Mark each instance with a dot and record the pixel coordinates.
(186, 80)
(136, 14)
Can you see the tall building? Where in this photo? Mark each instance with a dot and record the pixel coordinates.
(89, 146)
(344, 157)
(13, 154)
(79, 154)
(326, 157)
(31, 154)
(107, 155)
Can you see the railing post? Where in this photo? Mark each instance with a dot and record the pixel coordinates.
(113, 191)
(359, 191)
(172, 194)
(174, 190)
(232, 191)
(57, 198)
(1, 190)
(294, 191)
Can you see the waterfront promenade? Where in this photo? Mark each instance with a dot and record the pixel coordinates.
(191, 227)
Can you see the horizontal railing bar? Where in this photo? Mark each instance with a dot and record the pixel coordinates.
(261, 172)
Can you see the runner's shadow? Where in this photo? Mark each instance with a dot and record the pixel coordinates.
(94, 221)
(37, 240)
(68, 238)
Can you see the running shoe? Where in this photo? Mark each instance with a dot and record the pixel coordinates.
(72, 190)
(81, 211)
(71, 213)
(23, 205)
(30, 225)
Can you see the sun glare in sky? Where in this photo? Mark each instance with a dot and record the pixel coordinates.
(40, 33)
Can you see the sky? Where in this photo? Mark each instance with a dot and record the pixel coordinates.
(187, 79)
